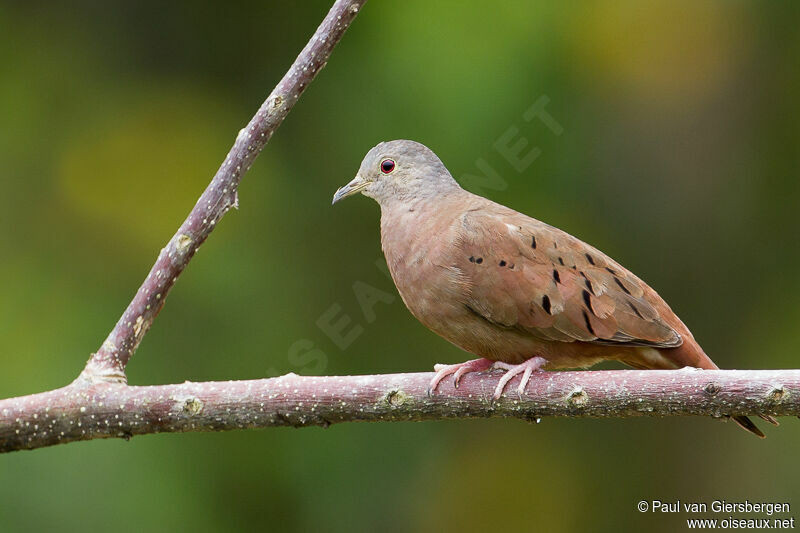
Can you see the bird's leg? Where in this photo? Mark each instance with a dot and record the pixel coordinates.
(526, 369)
(442, 371)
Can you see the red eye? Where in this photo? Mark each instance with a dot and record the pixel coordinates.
(387, 165)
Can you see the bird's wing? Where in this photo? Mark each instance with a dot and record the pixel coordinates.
(521, 273)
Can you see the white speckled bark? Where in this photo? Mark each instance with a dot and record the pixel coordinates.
(103, 410)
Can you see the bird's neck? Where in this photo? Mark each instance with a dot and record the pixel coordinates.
(415, 199)
(418, 210)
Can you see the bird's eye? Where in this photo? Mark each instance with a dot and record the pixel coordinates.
(387, 165)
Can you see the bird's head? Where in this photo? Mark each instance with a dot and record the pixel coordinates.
(399, 171)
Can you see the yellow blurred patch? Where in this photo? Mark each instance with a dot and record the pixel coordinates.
(659, 49)
(138, 171)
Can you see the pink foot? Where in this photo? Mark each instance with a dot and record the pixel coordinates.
(442, 371)
(527, 368)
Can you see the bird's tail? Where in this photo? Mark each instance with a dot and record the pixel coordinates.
(691, 354)
(747, 424)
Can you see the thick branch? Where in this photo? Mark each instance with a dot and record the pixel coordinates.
(108, 364)
(102, 410)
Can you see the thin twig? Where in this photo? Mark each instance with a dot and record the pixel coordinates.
(109, 363)
(104, 410)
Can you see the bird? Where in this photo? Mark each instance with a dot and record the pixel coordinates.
(518, 293)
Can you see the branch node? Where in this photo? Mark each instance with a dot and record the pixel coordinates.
(777, 394)
(183, 243)
(577, 397)
(397, 398)
(712, 388)
(192, 406)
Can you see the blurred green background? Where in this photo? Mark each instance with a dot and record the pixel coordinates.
(678, 157)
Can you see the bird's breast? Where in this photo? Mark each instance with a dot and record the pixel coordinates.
(414, 247)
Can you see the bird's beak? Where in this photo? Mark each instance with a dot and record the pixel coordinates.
(350, 189)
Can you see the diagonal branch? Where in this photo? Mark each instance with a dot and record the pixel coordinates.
(104, 410)
(109, 363)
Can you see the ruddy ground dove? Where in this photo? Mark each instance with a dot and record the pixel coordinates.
(518, 293)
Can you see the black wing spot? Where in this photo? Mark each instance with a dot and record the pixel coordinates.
(556, 276)
(546, 304)
(479, 260)
(502, 262)
(533, 242)
(611, 270)
(589, 258)
(635, 310)
(561, 260)
(588, 324)
(621, 286)
(471, 259)
(588, 283)
(587, 299)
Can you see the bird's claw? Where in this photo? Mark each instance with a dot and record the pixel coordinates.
(534, 364)
(458, 371)
(526, 368)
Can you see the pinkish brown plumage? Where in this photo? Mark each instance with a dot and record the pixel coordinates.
(516, 292)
